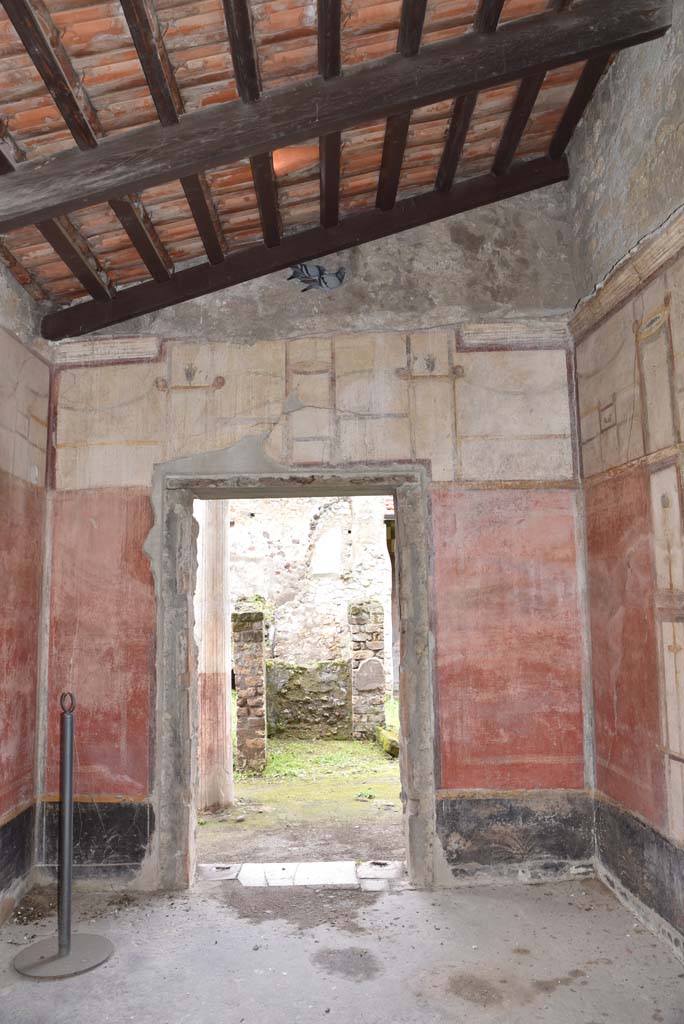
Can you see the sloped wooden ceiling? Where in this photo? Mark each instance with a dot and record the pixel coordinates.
(155, 151)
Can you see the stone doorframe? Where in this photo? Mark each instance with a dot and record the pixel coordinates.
(240, 472)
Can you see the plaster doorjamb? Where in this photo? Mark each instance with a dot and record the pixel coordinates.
(171, 547)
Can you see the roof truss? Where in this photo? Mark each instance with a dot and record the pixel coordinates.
(183, 146)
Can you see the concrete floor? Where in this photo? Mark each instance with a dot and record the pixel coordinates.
(560, 954)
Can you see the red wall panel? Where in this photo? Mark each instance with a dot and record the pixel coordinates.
(624, 643)
(22, 508)
(102, 643)
(508, 634)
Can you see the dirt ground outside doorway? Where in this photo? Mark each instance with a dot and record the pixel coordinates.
(317, 800)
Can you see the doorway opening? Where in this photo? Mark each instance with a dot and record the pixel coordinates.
(297, 631)
(172, 547)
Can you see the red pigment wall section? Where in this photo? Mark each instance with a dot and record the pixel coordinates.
(508, 634)
(21, 537)
(102, 644)
(624, 643)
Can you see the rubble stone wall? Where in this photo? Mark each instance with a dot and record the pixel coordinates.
(309, 700)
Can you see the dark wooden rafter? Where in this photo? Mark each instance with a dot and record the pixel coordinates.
(584, 90)
(73, 250)
(10, 153)
(70, 246)
(329, 146)
(314, 243)
(141, 231)
(34, 26)
(393, 148)
(161, 81)
(329, 155)
(242, 50)
(523, 106)
(487, 16)
(22, 274)
(485, 22)
(37, 31)
(267, 197)
(397, 127)
(246, 70)
(411, 26)
(229, 132)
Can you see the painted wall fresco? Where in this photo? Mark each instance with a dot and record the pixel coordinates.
(631, 398)
(508, 639)
(495, 415)
(431, 396)
(629, 765)
(24, 386)
(102, 638)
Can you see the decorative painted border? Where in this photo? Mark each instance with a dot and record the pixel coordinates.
(629, 275)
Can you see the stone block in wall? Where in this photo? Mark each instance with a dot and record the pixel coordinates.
(366, 633)
(249, 665)
(309, 701)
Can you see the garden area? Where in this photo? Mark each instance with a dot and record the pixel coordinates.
(315, 800)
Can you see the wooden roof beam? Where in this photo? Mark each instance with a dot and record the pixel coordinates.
(329, 146)
(257, 261)
(137, 224)
(227, 133)
(34, 26)
(267, 197)
(161, 81)
(584, 90)
(517, 122)
(397, 127)
(485, 22)
(65, 239)
(73, 250)
(242, 50)
(246, 70)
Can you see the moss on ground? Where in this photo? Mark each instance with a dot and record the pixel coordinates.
(313, 781)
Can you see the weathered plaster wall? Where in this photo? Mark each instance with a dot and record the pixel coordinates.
(19, 313)
(102, 638)
(627, 157)
(432, 396)
(508, 639)
(630, 365)
(514, 259)
(24, 387)
(485, 409)
(102, 647)
(309, 557)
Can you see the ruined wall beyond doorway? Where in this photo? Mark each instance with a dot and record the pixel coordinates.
(368, 676)
(249, 667)
(308, 558)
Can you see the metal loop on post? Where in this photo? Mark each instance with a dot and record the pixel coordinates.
(67, 702)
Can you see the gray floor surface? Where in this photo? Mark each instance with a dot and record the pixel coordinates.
(566, 953)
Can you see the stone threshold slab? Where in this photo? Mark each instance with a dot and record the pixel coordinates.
(376, 875)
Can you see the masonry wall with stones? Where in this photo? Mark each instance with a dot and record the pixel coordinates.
(249, 666)
(24, 387)
(308, 558)
(368, 645)
(309, 701)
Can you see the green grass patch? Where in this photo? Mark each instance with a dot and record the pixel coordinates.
(318, 759)
(392, 714)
